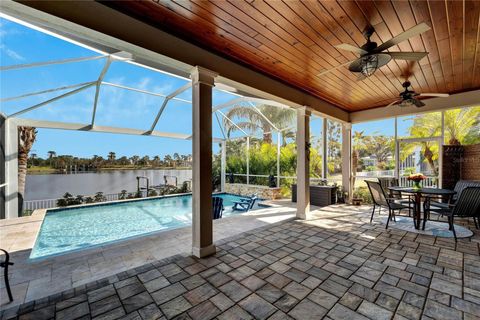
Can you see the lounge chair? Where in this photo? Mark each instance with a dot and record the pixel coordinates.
(217, 207)
(245, 204)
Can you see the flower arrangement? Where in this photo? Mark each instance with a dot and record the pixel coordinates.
(416, 177)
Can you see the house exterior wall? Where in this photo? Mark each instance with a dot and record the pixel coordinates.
(471, 162)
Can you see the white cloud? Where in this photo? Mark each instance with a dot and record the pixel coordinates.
(11, 53)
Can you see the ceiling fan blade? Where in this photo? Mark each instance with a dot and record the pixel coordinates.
(419, 28)
(412, 56)
(349, 47)
(441, 95)
(356, 66)
(334, 68)
(418, 103)
(394, 102)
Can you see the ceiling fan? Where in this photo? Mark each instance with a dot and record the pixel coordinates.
(372, 57)
(409, 97)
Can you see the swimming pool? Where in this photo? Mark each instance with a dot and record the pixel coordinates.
(70, 229)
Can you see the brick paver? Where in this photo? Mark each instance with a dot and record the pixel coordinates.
(334, 267)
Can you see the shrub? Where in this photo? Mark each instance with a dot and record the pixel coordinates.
(99, 197)
(362, 193)
(122, 195)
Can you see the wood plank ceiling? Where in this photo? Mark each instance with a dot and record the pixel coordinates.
(294, 41)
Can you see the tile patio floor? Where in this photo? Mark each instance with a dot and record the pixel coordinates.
(31, 280)
(333, 266)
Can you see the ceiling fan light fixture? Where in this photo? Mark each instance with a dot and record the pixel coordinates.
(369, 65)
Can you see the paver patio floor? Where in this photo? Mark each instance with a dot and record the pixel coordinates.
(334, 266)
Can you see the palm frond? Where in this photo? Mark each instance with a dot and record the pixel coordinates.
(246, 126)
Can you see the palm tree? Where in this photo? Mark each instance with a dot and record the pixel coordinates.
(111, 156)
(33, 156)
(462, 126)
(51, 154)
(250, 120)
(26, 138)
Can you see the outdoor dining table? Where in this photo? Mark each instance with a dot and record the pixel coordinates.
(417, 193)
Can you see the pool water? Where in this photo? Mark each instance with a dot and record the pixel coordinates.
(70, 229)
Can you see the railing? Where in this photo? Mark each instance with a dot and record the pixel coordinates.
(31, 205)
(430, 182)
(370, 174)
(243, 175)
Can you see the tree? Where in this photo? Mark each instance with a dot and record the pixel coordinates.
(334, 134)
(145, 160)
(134, 159)
(26, 138)
(51, 154)
(358, 146)
(33, 156)
(168, 160)
(381, 147)
(462, 126)
(425, 125)
(123, 161)
(250, 120)
(176, 158)
(111, 156)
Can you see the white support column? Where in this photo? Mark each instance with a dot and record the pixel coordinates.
(248, 161)
(303, 163)
(202, 223)
(9, 168)
(223, 165)
(347, 160)
(397, 151)
(279, 137)
(324, 150)
(440, 153)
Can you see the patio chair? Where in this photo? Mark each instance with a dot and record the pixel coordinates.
(4, 264)
(386, 182)
(381, 200)
(245, 204)
(467, 206)
(459, 186)
(217, 207)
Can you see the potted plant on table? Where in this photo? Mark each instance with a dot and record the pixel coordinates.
(417, 178)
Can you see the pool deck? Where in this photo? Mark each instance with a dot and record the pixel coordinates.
(31, 280)
(335, 265)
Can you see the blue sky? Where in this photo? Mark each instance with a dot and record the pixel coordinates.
(116, 107)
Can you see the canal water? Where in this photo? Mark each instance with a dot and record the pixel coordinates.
(53, 186)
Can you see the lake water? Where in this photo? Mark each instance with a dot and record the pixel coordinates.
(52, 186)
